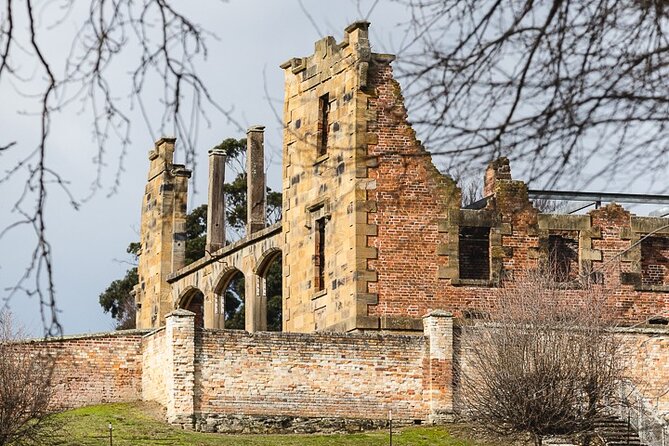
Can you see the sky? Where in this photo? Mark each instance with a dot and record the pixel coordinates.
(250, 39)
(253, 37)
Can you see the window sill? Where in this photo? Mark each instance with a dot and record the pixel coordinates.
(474, 282)
(653, 288)
(321, 158)
(320, 293)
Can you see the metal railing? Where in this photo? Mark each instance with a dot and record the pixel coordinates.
(642, 415)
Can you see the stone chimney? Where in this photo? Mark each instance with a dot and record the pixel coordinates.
(497, 170)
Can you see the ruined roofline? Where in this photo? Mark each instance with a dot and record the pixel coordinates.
(298, 64)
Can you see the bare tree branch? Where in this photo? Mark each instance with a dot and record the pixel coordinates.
(163, 45)
(562, 88)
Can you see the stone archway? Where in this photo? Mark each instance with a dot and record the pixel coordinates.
(192, 299)
(268, 277)
(230, 300)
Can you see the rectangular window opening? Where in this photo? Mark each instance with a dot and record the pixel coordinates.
(323, 118)
(563, 256)
(655, 261)
(474, 254)
(319, 255)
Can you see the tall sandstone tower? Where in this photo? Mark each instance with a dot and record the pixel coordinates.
(346, 140)
(162, 234)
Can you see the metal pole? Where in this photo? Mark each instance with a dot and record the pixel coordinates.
(390, 423)
(111, 441)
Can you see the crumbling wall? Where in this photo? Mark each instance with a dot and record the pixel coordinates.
(394, 226)
(410, 197)
(162, 234)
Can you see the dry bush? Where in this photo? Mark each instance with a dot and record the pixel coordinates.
(544, 362)
(25, 388)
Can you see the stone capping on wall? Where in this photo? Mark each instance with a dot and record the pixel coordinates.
(98, 335)
(662, 330)
(225, 251)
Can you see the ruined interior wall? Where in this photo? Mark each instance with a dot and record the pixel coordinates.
(410, 196)
(309, 375)
(95, 369)
(154, 372)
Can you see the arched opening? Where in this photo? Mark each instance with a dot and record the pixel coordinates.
(230, 308)
(193, 300)
(270, 286)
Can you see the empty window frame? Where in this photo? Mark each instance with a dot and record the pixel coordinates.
(319, 254)
(474, 253)
(323, 125)
(655, 261)
(563, 256)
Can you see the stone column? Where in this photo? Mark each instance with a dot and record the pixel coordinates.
(255, 180)
(216, 201)
(255, 306)
(438, 372)
(180, 373)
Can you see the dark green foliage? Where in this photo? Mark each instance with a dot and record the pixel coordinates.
(274, 291)
(234, 303)
(118, 301)
(196, 233)
(234, 148)
(235, 204)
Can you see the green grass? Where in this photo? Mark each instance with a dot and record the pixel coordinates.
(135, 425)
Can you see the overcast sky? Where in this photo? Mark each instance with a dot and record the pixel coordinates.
(254, 38)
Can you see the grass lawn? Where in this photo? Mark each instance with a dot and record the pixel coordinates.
(135, 425)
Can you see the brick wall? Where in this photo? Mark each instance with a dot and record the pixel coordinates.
(411, 195)
(655, 261)
(154, 373)
(96, 369)
(644, 353)
(647, 366)
(315, 375)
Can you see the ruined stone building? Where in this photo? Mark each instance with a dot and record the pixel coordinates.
(378, 255)
(373, 236)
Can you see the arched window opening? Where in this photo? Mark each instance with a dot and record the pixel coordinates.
(273, 278)
(194, 301)
(233, 302)
(269, 286)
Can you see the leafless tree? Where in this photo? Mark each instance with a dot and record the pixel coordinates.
(544, 362)
(153, 40)
(561, 87)
(25, 388)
